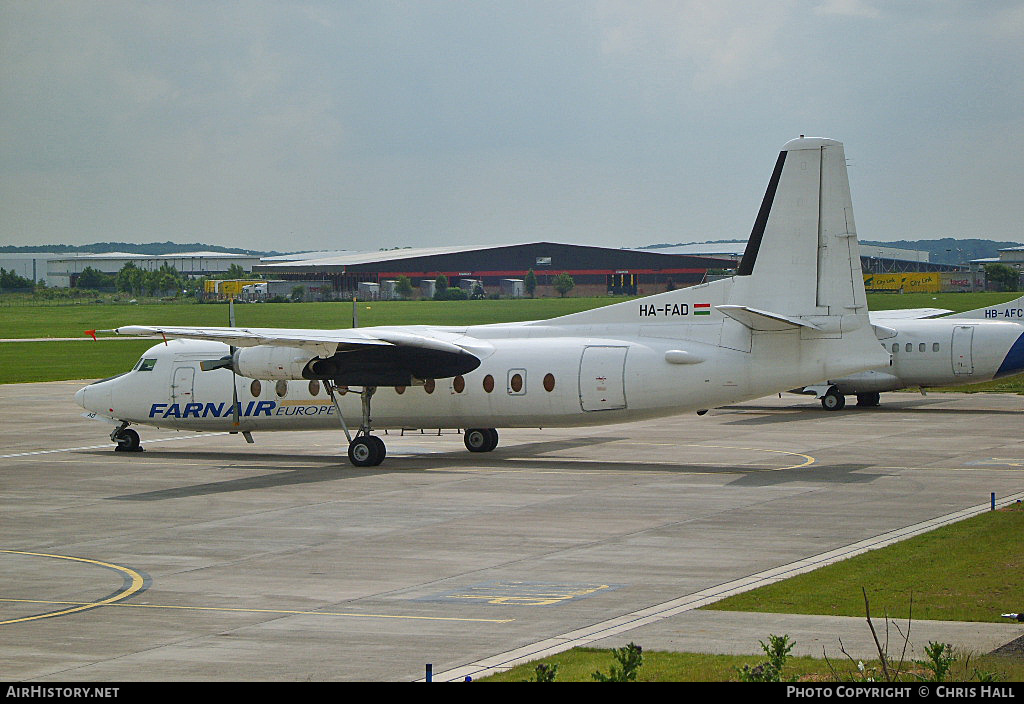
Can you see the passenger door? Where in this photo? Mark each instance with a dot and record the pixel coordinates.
(602, 385)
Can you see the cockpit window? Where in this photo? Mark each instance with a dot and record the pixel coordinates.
(146, 365)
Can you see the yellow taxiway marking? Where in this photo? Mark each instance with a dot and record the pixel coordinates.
(135, 585)
(246, 611)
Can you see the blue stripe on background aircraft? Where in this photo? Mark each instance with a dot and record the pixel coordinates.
(966, 348)
(796, 312)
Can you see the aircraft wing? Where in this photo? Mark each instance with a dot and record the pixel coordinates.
(905, 314)
(322, 341)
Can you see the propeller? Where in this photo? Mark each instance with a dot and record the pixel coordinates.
(234, 380)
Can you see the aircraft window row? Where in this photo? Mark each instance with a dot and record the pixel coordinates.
(516, 383)
(921, 347)
(146, 365)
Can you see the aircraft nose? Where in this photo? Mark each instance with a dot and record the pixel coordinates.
(80, 397)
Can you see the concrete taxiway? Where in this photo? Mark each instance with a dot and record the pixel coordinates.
(205, 558)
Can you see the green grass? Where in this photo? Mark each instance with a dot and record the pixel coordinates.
(73, 320)
(576, 665)
(22, 362)
(972, 570)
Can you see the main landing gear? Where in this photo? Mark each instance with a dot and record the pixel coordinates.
(364, 450)
(480, 439)
(127, 439)
(833, 400)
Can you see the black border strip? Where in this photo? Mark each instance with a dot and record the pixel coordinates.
(754, 243)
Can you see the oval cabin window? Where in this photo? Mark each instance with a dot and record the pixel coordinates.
(549, 382)
(255, 388)
(488, 383)
(314, 388)
(399, 389)
(281, 388)
(428, 386)
(459, 384)
(516, 383)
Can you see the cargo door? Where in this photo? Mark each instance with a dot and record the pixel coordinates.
(181, 385)
(963, 361)
(602, 386)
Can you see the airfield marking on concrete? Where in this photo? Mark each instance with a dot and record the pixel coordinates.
(808, 460)
(288, 612)
(106, 446)
(135, 583)
(627, 622)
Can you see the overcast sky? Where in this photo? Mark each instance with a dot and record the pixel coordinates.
(360, 125)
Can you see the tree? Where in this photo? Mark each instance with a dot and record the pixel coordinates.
(9, 279)
(403, 287)
(93, 278)
(130, 279)
(563, 283)
(1003, 275)
(530, 283)
(478, 290)
(298, 293)
(441, 288)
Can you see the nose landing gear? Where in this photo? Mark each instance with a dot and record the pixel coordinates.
(127, 439)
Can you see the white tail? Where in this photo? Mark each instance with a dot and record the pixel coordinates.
(801, 267)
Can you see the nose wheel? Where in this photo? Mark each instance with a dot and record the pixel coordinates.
(127, 439)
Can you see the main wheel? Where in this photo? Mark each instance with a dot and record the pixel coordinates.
(868, 399)
(480, 439)
(833, 400)
(128, 441)
(366, 451)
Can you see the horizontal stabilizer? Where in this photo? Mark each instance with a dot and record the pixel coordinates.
(906, 314)
(762, 320)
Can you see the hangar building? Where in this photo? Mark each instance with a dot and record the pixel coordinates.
(595, 270)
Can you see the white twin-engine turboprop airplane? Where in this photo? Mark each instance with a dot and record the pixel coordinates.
(966, 348)
(794, 313)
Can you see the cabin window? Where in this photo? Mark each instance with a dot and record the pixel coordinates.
(255, 388)
(516, 381)
(895, 347)
(428, 386)
(910, 347)
(549, 382)
(281, 388)
(399, 389)
(488, 383)
(146, 365)
(935, 347)
(459, 384)
(921, 347)
(314, 388)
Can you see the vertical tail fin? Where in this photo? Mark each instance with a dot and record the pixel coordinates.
(803, 256)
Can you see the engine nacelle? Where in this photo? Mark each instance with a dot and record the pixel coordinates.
(271, 362)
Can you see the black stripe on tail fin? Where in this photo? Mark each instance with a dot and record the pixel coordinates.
(754, 243)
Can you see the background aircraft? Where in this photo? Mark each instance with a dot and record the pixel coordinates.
(796, 311)
(966, 348)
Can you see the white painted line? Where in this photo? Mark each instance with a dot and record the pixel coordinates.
(620, 624)
(106, 446)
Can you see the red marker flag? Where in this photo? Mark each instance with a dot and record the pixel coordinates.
(91, 332)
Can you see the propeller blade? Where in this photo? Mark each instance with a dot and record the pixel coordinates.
(234, 376)
(210, 364)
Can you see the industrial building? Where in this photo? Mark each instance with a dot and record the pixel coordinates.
(497, 268)
(64, 271)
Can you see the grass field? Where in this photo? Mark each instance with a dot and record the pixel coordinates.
(54, 361)
(972, 570)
